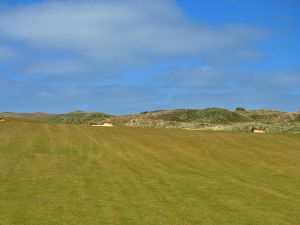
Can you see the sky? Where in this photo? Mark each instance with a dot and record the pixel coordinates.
(130, 56)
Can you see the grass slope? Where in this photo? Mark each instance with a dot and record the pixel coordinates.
(77, 174)
(240, 120)
(28, 116)
(219, 119)
(209, 115)
(80, 117)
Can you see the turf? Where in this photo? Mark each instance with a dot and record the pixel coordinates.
(77, 174)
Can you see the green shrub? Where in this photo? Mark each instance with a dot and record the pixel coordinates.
(209, 115)
(297, 118)
(79, 117)
(240, 109)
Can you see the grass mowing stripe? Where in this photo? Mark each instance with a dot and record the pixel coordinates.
(77, 174)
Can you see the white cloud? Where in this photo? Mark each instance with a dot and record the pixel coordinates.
(6, 53)
(195, 78)
(251, 100)
(233, 57)
(20, 96)
(214, 80)
(120, 31)
(54, 68)
(289, 79)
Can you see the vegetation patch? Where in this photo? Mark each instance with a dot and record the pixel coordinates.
(211, 115)
(240, 120)
(79, 117)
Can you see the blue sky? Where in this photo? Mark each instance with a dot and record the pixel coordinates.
(128, 56)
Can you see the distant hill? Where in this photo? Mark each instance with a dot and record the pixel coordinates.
(209, 115)
(199, 119)
(29, 116)
(79, 117)
(218, 119)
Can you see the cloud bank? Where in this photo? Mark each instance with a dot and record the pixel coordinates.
(120, 31)
(6, 53)
(94, 54)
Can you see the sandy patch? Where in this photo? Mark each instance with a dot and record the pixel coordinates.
(103, 125)
(259, 131)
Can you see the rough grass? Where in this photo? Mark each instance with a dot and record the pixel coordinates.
(206, 119)
(80, 117)
(218, 119)
(77, 174)
(209, 115)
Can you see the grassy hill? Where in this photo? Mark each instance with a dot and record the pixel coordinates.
(219, 119)
(199, 119)
(28, 116)
(77, 174)
(80, 117)
(209, 115)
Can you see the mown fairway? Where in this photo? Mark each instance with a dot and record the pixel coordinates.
(82, 175)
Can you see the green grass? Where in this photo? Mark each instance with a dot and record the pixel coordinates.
(77, 174)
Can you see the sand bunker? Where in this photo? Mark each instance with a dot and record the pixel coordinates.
(103, 125)
(2, 120)
(259, 131)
